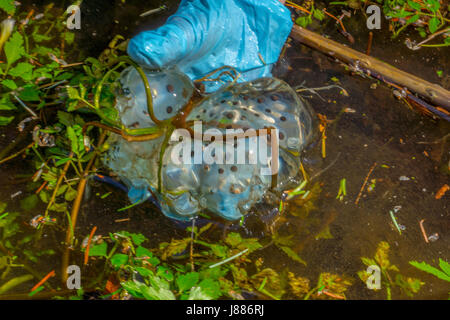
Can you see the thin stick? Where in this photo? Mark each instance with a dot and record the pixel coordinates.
(86, 253)
(365, 182)
(72, 65)
(51, 274)
(369, 45)
(338, 20)
(332, 295)
(76, 208)
(25, 107)
(296, 6)
(58, 184)
(228, 259)
(127, 137)
(417, 46)
(17, 153)
(422, 228)
(395, 222)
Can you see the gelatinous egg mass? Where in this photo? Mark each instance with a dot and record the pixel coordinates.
(226, 170)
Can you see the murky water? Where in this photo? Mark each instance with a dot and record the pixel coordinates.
(381, 130)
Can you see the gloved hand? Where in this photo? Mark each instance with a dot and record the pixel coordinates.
(204, 35)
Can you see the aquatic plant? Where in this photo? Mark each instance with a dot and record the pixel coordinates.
(443, 273)
(408, 285)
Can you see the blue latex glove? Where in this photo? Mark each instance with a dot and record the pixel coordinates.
(204, 35)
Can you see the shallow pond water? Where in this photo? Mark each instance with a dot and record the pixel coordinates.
(381, 129)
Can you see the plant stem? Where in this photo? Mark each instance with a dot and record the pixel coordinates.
(17, 153)
(75, 209)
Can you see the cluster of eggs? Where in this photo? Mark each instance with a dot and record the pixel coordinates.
(222, 174)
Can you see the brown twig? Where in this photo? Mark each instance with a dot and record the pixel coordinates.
(86, 253)
(17, 153)
(51, 274)
(365, 182)
(58, 184)
(337, 19)
(422, 228)
(369, 44)
(76, 208)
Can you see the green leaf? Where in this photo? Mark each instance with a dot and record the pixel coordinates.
(10, 84)
(187, 281)
(65, 118)
(134, 288)
(210, 288)
(73, 93)
(197, 293)
(137, 238)
(8, 6)
(233, 239)
(119, 259)
(71, 193)
(23, 70)
(29, 93)
(219, 251)
(433, 24)
(368, 261)
(416, 6)
(98, 250)
(29, 202)
(14, 48)
(152, 293)
(6, 104)
(144, 272)
(318, 14)
(303, 21)
(165, 273)
(413, 19)
(143, 252)
(3, 206)
(40, 37)
(73, 139)
(69, 37)
(430, 269)
(4, 121)
(433, 5)
(176, 247)
(64, 76)
(292, 254)
(445, 266)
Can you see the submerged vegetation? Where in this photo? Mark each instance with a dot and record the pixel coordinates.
(44, 93)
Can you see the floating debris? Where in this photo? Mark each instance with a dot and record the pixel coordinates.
(342, 190)
(39, 220)
(394, 219)
(422, 228)
(433, 237)
(442, 191)
(14, 195)
(153, 11)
